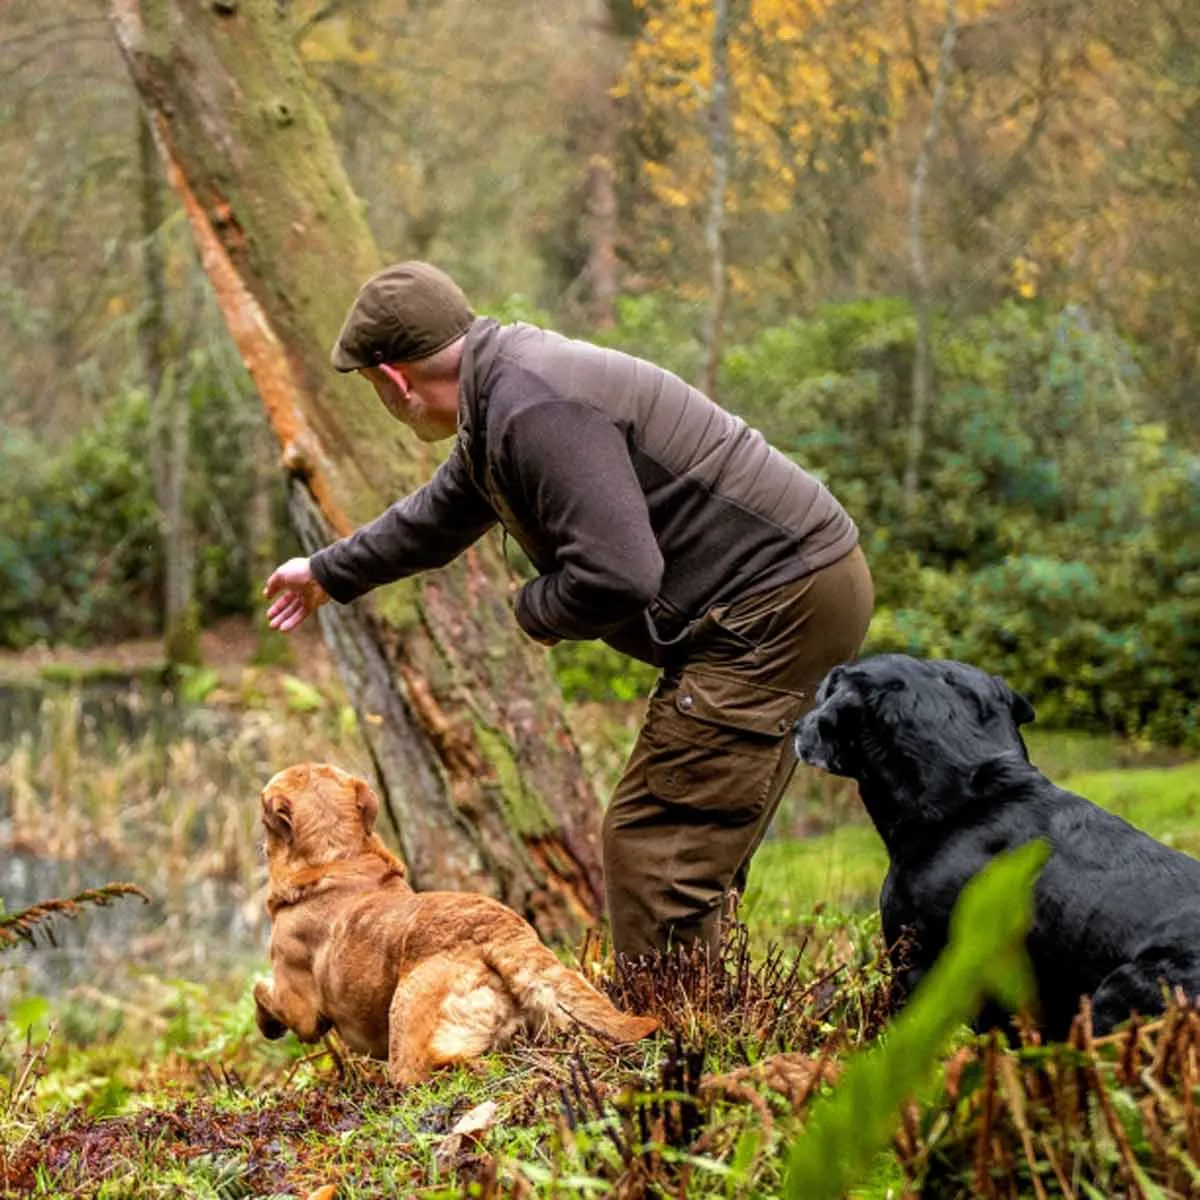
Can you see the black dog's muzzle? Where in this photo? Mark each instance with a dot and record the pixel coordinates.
(811, 748)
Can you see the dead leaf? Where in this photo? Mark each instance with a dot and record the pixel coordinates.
(479, 1120)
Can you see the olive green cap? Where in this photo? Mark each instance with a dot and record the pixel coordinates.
(405, 312)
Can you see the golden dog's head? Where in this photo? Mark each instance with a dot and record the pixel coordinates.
(316, 813)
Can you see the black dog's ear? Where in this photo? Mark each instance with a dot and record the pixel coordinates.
(1022, 711)
(828, 684)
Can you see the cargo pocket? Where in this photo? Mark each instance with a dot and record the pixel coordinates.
(716, 743)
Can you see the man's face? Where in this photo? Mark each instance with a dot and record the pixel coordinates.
(405, 403)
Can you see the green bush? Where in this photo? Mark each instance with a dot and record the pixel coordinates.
(664, 330)
(80, 545)
(1055, 537)
(594, 671)
(78, 533)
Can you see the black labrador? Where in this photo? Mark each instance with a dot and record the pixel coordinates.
(946, 778)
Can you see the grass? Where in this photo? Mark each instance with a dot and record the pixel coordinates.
(194, 1103)
(843, 868)
(154, 1082)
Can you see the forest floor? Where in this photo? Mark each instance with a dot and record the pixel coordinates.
(134, 1079)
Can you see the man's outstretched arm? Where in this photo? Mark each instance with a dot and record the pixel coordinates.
(426, 529)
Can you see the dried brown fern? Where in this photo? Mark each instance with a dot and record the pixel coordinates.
(25, 925)
(756, 1003)
(1113, 1116)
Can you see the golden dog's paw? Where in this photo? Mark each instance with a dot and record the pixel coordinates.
(405, 1077)
(269, 1025)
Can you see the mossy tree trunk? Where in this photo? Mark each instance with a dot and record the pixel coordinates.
(474, 759)
(170, 435)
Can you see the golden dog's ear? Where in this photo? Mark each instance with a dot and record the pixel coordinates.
(368, 804)
(277, 815)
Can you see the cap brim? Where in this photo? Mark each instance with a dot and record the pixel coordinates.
(344, 361)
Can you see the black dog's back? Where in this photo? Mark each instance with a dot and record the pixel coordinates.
(946, 778)
(1114, 909)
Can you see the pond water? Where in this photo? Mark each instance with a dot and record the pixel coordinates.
(121, 781)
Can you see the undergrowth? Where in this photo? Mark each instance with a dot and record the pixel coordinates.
(751, 1043)
(162, 1086)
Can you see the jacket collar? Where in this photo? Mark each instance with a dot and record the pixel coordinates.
(478, 365)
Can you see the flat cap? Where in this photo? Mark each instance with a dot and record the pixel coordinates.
(405, 312)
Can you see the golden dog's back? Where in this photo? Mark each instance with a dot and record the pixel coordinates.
(376, 939)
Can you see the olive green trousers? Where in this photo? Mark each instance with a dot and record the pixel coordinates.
(714, 754)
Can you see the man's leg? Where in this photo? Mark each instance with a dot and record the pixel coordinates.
(714, 755)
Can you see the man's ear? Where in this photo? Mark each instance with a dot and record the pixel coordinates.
(368, 804)
(277, 816)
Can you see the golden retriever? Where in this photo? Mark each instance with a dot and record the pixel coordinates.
(419, 979)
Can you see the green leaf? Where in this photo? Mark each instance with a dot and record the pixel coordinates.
(31, 1013)
(302, 697)
(987, 931)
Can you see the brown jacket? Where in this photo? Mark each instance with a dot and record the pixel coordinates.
(640, 501)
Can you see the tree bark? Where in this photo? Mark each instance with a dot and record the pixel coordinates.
(603, 214)
(474, 758)
(602, 230)
(714, 232)
(271, 646)
(169, 423)
(923, 349)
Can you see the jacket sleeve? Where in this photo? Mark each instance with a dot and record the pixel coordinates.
(425, 529)
(571, 466)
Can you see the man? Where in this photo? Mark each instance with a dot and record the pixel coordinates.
(659, 523)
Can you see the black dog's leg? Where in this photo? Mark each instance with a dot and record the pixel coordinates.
(1133, 987)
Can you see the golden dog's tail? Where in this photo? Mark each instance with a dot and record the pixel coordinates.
(556, 995)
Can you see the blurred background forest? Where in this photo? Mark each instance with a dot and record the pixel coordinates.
(944, 252)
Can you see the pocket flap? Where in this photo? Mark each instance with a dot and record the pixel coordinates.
(725, 700)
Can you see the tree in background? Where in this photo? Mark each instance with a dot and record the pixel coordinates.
(922, 300)
(1060, 195)
(481, 137)
(168, 418)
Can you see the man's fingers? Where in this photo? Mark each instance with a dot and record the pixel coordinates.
(278, 581)
(294, 573)
(287, 612)
(295, 592)
(288, 623)
(282, 604)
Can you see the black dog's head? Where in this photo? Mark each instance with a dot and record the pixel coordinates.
(914, 733)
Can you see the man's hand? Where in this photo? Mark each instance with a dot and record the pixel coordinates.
(296, 592)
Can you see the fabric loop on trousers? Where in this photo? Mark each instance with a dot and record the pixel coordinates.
(729, 701)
